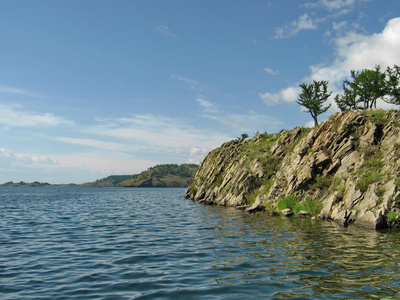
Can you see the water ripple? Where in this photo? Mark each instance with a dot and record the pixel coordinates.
(84, 243)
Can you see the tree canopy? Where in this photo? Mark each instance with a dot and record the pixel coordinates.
(365, 88)
(313, 96)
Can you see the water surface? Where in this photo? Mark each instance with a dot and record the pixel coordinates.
(109, 243)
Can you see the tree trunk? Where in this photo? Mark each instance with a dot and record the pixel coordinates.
(315, 121)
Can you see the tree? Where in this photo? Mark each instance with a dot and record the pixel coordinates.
(392, 85)
(348, 101)
(365, 88)
(243, 136)
(313, 97)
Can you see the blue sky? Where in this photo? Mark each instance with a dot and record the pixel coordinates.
(92, 88)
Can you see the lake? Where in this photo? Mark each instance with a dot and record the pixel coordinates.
(150, 243)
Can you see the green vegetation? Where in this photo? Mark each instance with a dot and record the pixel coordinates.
(109, 181)
(368, 178)
(370, 170)
(288, 202)
(377, 116)
(393, 218)
(313, 97)
(312, 206)
(167, 175)
(322, 182)
(22, 183)
(366, 87)
(243, 136)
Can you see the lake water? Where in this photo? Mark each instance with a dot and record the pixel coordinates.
(143, 243)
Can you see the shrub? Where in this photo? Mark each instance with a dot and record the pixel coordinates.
(219, 180)
(373, 164)
(367, 179)
(288, 202)
(379, 191)
(313, 206)
(397, 182)
(392, 217)
(322, 182)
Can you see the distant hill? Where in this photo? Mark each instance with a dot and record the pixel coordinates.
(109, 181)
(21, 183)
(167, 175)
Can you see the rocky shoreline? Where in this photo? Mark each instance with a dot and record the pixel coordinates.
(346, 170)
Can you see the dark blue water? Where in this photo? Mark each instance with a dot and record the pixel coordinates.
(108, 243)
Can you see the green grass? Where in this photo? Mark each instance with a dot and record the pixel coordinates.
(288, 202)
(321, 182)
(392, 217)
(373, 164)
(219, 180)
(368, 178)
(312, 206)
(377, 116)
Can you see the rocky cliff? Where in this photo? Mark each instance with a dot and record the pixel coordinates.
(346, 169)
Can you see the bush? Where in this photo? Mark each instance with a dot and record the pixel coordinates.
(313, 206)
(392, 217)
(288, 202)
(322, 182)
(367, 179)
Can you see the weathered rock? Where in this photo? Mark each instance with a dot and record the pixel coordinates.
(351, 163)
(287, 212)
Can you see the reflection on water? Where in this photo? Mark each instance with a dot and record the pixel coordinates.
(305, 257)
(152, 244)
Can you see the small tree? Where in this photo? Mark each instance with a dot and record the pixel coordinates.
(243, 137)
(363, 89)
(392, 85)
(313, 97)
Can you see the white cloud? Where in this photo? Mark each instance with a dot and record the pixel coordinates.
(157, 133)
(304, 22)
(286, 95)
(352, 51)
(193, 84)
(197, 154)
(13, 90)
(359, 51)
(334, 5)
(207, 105)
(11, 115)
(10, 158)
(166, 31)
(95, 144)
(271, 71)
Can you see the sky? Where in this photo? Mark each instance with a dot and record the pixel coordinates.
(92, 88)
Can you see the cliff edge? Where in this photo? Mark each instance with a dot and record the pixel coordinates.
(346, 169)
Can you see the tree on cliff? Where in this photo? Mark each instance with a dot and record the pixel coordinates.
(364, 88)
(313, 96)
(392, 84)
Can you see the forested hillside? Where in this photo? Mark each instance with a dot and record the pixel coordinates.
(168, 175)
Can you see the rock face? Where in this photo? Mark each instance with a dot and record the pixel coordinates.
(349, 165)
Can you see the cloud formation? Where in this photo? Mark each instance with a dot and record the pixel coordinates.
(207, 105)
(286, 95)
(13, 116)
(304, 22)
(335, 5)
(164, 30)
(271, 71)
(10, 158)
(193, 84)
(334, 8)
(352, 51)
